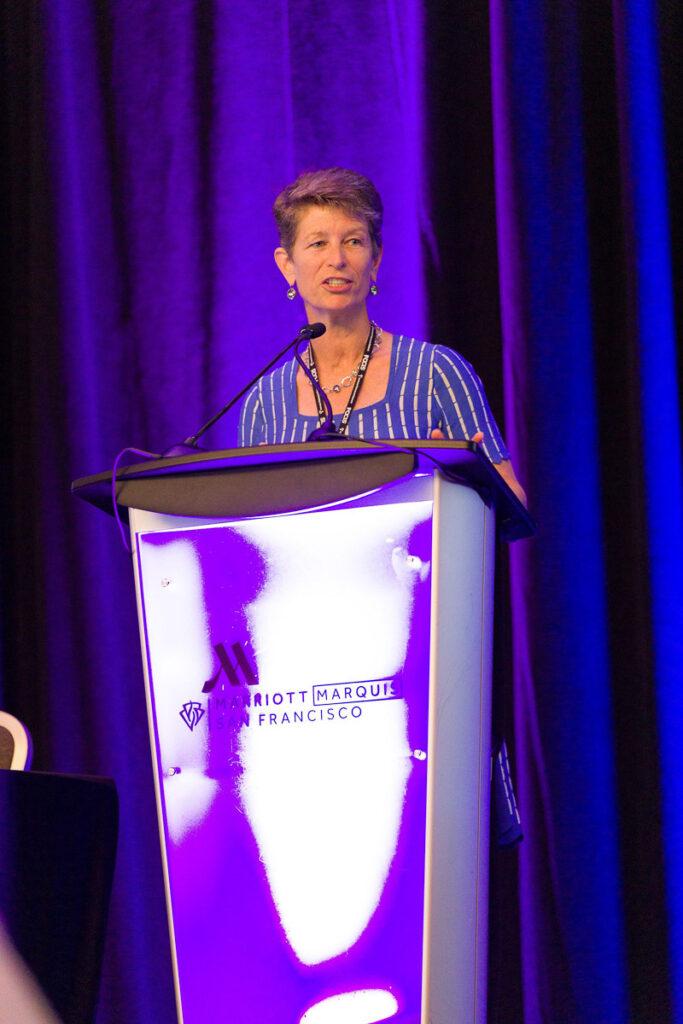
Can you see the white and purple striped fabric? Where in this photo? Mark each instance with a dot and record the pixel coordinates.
(430, 387)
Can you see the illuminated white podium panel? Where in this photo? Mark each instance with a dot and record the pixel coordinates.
(318, 685)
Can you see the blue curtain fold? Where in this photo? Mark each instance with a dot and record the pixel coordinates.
(561, 662)
(651, 272)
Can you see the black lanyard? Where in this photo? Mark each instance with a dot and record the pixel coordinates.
(360, 374)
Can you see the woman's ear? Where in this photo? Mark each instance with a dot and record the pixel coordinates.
(284, 264)
(376, 263)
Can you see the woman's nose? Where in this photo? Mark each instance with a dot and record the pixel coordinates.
(336, 256)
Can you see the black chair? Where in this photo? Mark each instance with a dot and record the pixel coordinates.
(57, 849)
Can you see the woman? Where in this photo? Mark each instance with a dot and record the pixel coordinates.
(380, 385)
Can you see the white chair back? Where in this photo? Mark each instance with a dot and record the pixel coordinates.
(16, 748)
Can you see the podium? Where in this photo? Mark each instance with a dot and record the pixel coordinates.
(316, 628)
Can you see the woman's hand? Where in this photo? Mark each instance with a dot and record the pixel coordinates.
(438, 435)
(505, 467)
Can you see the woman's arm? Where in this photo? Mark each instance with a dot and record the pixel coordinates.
(505, 468)
(252, 423)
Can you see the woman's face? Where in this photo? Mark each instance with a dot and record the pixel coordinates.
(331, 262)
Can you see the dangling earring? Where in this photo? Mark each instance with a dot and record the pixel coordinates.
(373, 288)
(291, 292)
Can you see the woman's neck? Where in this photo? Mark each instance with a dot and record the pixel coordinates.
(342, 344)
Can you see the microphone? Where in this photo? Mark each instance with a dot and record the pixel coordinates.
(189, 445)
(310, 331)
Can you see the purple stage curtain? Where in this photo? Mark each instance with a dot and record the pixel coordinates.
(589, 351)
(526, 154)
(571, 922)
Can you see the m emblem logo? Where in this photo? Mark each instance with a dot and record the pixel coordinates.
(232, 669)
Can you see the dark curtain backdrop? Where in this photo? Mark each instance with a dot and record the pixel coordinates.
(529, 155)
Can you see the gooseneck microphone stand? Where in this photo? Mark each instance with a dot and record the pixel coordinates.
(308, 331)
(326, 431)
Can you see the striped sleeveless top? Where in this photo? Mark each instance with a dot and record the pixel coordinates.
(429, 387)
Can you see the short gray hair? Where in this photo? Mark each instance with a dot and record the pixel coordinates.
(334, 186)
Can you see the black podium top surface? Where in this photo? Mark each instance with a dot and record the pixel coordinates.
(270, 479)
